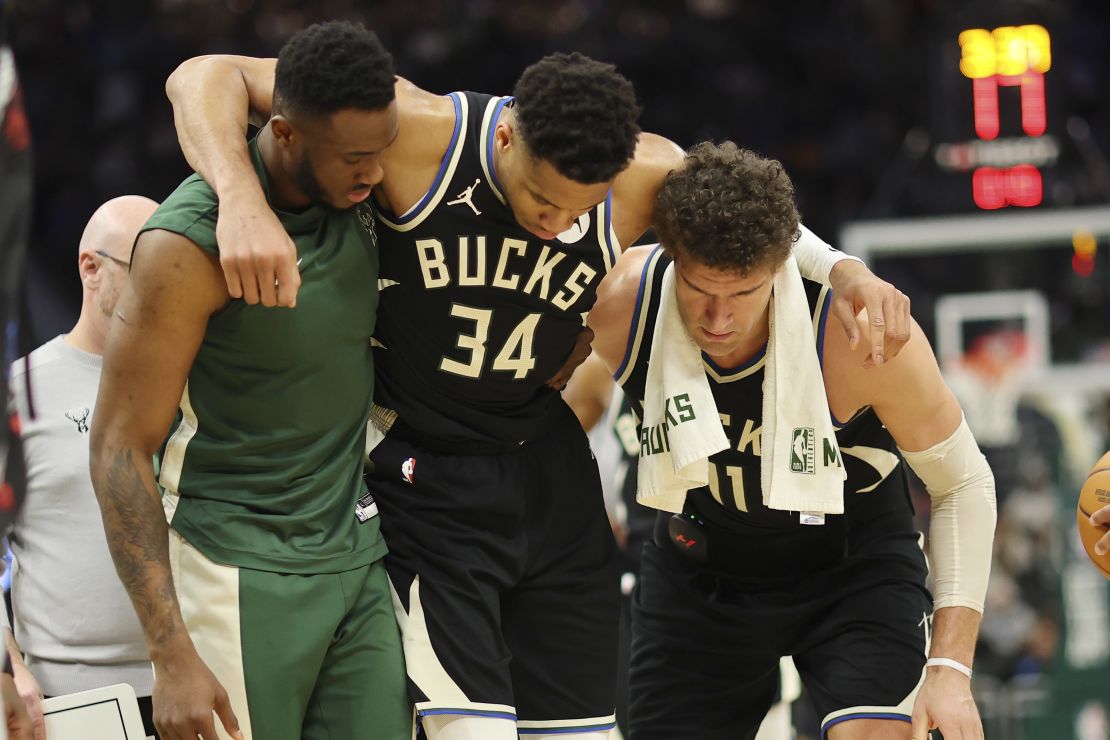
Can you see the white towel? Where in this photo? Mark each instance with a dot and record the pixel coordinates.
(800, 467)
(680, 427)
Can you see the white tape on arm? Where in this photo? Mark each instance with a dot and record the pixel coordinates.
(816, 257)
(961, 534)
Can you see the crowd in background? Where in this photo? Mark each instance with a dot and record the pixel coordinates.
(830, 88)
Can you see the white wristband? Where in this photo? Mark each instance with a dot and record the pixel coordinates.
(815, 257)
(949, 663)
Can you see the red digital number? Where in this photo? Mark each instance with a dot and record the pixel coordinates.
(985, 103)
(1008, 56)
(1019, 186)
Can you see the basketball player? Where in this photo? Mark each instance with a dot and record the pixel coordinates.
(497, 217)
(282, 620)
(847, 599)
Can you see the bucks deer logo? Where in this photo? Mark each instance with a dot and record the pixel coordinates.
(80, 417)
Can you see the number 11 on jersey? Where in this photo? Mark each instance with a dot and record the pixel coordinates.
(735, 475)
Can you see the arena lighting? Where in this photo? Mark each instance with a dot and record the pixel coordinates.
(1083, 266)
(1084, 245)
(1006, 57)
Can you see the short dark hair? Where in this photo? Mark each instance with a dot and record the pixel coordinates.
(333, 66)
(579, 115)
(728, 208)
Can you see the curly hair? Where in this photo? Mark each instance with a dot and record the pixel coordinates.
(728, 208)
(579, 115)
(332, 66)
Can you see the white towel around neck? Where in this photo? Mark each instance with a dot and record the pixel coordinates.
(682, 429)
(801, 468)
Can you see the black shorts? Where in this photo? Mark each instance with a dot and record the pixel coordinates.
(504, 569)
(706, 648)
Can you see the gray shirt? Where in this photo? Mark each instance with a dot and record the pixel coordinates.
(73, 618)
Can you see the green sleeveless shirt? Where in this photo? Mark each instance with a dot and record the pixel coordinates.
(263, 466)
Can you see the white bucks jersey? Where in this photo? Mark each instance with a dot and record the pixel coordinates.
(477, 314)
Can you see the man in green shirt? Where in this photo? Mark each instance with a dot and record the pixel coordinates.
(281, 621)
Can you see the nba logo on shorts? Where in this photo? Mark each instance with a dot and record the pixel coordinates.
(803, 451)
(408, 467)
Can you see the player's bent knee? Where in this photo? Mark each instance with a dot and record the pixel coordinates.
(460, 727)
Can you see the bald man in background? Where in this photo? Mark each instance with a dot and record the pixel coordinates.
(74, 626)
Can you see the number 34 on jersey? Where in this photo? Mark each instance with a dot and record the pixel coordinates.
(516, 354)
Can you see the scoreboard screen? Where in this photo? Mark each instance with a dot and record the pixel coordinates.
(1001, 134)
(997, 127)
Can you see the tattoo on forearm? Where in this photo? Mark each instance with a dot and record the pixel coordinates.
(138, 540)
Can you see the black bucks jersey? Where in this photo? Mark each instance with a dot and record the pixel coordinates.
(771, 543)
(476, 313)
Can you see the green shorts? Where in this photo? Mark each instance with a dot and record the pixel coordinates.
(316, 657)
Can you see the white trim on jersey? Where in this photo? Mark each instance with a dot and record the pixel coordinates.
(902, 711)
(416, 215)
(488, 124)
(614, 242)
(729, 375)
(882, 461)
(425, 669)
(169, 476)
(639, 326)
(819, 314)
(468, 727)
(567, 726)
(605, 236)
(639, 318)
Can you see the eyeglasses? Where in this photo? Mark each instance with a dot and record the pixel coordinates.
(117, 260)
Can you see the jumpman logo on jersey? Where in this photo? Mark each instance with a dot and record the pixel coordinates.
(467, 196)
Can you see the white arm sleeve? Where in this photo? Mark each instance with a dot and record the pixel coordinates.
(816, 257)
(961, 534)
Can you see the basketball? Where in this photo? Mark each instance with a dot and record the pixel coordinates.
(1093, 496)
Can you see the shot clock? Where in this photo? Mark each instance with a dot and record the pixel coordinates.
(1004, 119)
(1007, 57)
(1005, 72)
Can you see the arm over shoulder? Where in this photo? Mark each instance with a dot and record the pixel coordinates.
(611, 316)
(635, 189)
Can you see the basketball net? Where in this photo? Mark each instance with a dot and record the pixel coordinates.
(988, 381)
